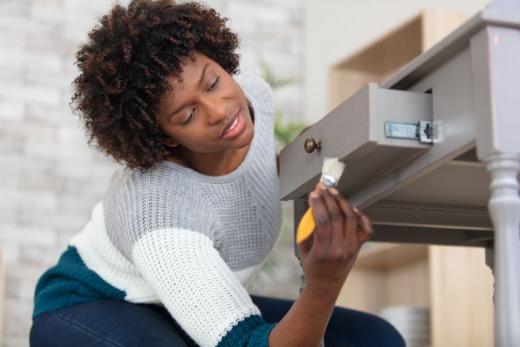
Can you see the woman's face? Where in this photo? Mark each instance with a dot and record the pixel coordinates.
(206, 112)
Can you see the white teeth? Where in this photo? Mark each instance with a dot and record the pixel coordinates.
(235, 122)
(233, 125)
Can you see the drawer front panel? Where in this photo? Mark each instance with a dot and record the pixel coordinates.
(354, 131)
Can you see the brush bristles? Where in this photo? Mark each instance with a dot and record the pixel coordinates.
(332, 171)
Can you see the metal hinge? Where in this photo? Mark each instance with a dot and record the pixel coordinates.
(422, 131)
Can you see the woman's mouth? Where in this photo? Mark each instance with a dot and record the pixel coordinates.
(236, 128)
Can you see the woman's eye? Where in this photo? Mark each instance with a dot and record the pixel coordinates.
(190, 116)
(214, 84)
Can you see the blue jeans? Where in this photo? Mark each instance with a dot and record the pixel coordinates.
(123, 324)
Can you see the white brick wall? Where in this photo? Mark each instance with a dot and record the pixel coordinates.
(49, 178)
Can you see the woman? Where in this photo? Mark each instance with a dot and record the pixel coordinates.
(165, 256)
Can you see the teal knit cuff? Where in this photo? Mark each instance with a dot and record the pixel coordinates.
(253, 331)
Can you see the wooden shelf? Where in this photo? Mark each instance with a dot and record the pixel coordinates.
(387, 256)
(382, 58)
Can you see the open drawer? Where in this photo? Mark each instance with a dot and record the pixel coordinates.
(378, 129)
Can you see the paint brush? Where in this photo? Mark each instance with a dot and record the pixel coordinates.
(330, 174)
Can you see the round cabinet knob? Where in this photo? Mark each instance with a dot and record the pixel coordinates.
(310, 145)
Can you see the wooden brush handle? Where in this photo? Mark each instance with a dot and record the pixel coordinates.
(306, 226)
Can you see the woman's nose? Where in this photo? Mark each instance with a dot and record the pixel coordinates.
(216, 108)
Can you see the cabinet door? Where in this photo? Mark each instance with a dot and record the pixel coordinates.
(354, 132)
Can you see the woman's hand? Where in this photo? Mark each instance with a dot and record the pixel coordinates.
(327, 258)
(329, 254)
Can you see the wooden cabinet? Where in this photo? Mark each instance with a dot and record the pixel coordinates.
(453, 282)
(385, 56)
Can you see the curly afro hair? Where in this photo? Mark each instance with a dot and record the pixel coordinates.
(123, 70)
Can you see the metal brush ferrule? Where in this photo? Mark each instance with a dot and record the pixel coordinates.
(329, 181)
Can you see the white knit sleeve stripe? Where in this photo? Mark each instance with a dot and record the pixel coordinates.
(193, 282)
(101, 256)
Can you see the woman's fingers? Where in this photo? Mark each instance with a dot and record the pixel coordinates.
(321, 217)
(365, 227)
(350, 222)
(336, 215)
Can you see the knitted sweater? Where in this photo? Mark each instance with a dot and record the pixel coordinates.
(188, 241)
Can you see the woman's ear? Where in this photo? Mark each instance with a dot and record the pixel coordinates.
(168, 141)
